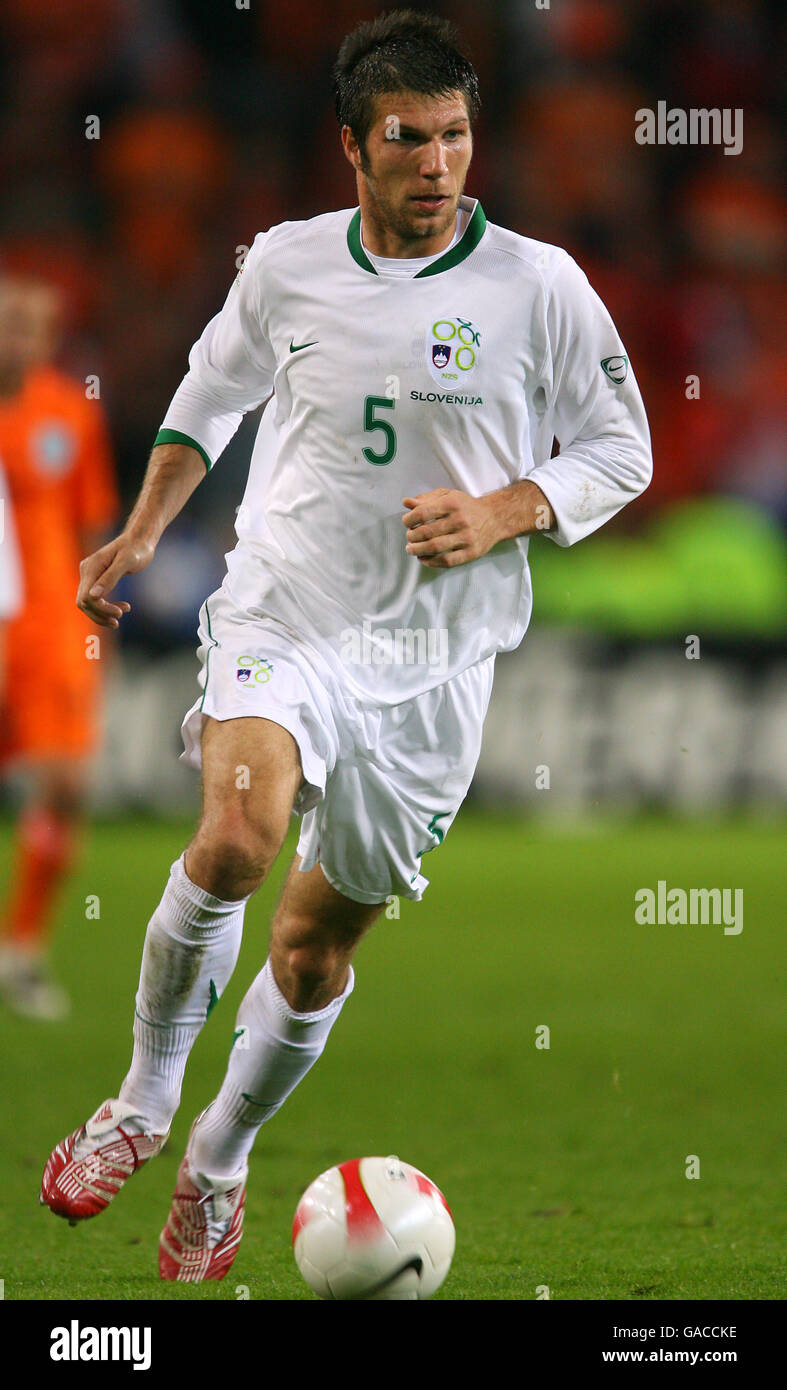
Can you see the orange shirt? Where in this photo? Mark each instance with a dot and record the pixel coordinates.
(55, 449)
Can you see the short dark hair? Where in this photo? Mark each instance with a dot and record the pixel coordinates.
(401, 51)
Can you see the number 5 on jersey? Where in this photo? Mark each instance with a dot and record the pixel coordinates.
(375, 456)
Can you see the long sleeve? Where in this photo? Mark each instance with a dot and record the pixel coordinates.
(593, 407)
(231, 368)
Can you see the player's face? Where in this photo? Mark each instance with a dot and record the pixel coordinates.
(413, 171)
(28, 314)
(14, 328)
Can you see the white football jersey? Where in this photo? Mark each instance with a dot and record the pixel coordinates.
(384, 388)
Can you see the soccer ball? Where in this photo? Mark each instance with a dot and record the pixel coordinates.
(373, 1228)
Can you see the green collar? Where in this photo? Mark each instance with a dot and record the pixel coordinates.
(468, 241)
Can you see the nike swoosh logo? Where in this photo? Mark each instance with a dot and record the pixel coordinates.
(415, 1263)
(301, 346)
(263, 1105)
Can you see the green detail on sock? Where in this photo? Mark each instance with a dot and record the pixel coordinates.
(214, 999)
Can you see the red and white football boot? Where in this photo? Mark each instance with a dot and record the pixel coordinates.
(204, 1226)
(90, 1166)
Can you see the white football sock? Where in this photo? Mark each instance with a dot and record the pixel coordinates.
(191, 947)
(274, 1048)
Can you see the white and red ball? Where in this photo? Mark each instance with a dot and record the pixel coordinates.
(373, 1228)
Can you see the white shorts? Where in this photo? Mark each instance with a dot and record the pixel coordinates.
(381, 784)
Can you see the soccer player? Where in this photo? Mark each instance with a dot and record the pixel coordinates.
(421, 361)
(55, 451)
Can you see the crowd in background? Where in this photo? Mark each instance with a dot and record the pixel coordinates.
(216, 121)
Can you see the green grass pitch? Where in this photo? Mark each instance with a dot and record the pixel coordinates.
(564, 1167)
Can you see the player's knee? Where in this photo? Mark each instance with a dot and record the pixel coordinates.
(312, 965)
(63, 791)
(233, 856)
(310, 975)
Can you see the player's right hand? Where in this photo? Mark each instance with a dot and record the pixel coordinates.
(101, 571)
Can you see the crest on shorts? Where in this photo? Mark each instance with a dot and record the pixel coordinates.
(253, 670)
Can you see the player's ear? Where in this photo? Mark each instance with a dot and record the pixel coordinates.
(351, 147)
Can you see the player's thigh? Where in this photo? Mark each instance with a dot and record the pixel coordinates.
(251, 772)
(314, 935)
(382, 813)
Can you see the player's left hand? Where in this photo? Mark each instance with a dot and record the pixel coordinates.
(447, 527)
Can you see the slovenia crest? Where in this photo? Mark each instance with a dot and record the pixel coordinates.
(253, 670)
(453, 346)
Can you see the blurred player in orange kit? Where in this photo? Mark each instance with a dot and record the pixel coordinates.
(55, 452)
